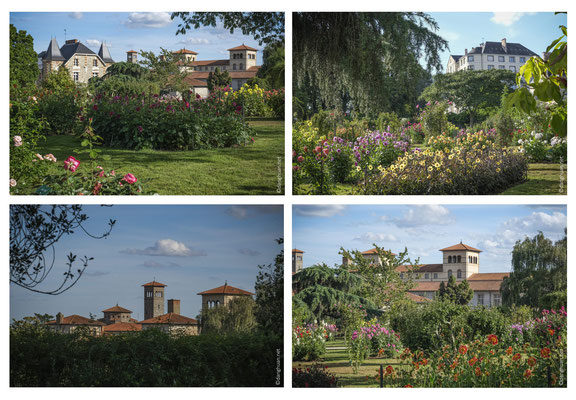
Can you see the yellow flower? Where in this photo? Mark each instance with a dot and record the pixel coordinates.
(370, 167)
(451, 156)
(430, 169)
(358, 168)
(497, 169)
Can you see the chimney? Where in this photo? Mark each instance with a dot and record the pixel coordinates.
(465, 51)
(72, 41)
(504, 43)
(174, 306)
(59, 317)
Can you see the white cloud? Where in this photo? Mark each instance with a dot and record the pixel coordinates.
(76, 15)
(322, 211)
(424, 214)
(241, 212)
(194, 40)
(249, 252)
(148, 20)
(538, 221)
(507, 18)
(167, 247)
(372, 237)
(93, 42)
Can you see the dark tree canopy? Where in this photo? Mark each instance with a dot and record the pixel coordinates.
(273, 67)
(371, 59)
(265, 27)
(235, 317)
(34, 232)
(471, 91)
(218, 79)
(23, 59)
(270, 295)
(457, 293)
(539, 274)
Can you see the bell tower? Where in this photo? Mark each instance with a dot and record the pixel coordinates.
(153, 299)
(461, 261)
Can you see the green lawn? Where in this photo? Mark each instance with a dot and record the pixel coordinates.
(251, 170)
(338, 363)
(543, 179)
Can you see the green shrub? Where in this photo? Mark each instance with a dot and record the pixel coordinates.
(315, 376)
(147, 358)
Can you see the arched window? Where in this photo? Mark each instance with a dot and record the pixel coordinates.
(449, 273)
(459, 274)
(459, 259)
(449, 259)
(475, 260)
(241, 66)
(233, 66)
(95, 63)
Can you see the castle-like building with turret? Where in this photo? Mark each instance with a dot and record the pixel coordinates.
(82, 62)
(460, 261)
(118, 320)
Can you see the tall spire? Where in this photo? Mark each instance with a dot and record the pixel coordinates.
(53, 52)
(104, 53)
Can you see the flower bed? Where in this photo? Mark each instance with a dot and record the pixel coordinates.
(476, 168)
(163, 123)
(308, 342)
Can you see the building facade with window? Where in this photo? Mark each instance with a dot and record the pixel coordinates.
(462, 262)
(82, 62)
(491, 55)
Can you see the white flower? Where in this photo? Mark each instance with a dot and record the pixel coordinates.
(520, 141)
(538, 136)
(17, 141)
(13, 182)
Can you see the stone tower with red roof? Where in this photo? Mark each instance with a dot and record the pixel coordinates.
(153, 299)
(461, 261)
(221, 295)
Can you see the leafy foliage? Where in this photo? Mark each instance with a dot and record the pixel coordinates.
(218, 79)
(456, 293)
(368, 61)
(34, 231)
(266, 27)
(235, 317)
(548, 79)
(539, 273)
(23, 59)
(269, 288)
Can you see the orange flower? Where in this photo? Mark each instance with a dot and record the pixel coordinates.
(463, 349)
(408, 386)
(531, 361)
(492, 339)
(454, 364)
(516, 357)
(545, 352)
(528, 373)
(389, 370)
(477, 371)
(509, 350)
(551, 332)
(473, 361)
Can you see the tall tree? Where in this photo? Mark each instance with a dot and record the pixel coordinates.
(373, 57)
(539, 275)
(273, 68)
(165, 70)
(266, 27)
(470, 91)
(457, 293)
(218, 79)
(34, 232)
(235, 317)
(23, 59)
(270, 295)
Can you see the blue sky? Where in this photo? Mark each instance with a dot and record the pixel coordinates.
(189, 248)
(464, 30)
(123, 31)
(321, 230)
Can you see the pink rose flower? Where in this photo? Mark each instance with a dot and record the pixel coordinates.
(50, 157)
(129, 178)
(300, 158)
(71, 164)
(13, 182)
(17, 141)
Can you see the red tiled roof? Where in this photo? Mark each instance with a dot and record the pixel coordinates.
(254, 68)
(461, 246)
(131, 51)
(171, 319)
(429, 286)
(77, 320)
(375, 251)
(192, 82)
(478, 283)
(117, 308)
(233, 74)
(155, 284)
(297, 251)
(417, 298)
(421, 268)
(184, 51)
(209, 62)
(489, 276)
(227, 289)
(243, 47)
(122, 327)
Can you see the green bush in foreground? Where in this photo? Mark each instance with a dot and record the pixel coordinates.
(147, 358)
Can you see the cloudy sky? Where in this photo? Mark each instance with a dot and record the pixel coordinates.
(464, 30)
(189, 248)
(321, 230)
(123, 31)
